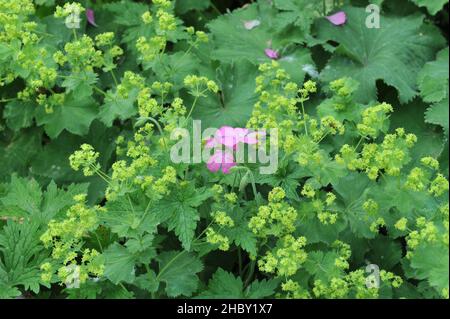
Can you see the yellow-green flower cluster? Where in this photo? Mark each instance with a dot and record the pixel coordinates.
(130, 82)
(427, 232)
(65, 239)
(285, 260)
(401, 224)
(105, 40)
(215, 238)
(375, 120)
(199, 85)
(152, 48)
(375, 225)
(293, 290)
(163, 22)
(421, 178)
(14, 17)
(354, 285)
(344, 251)
(343, 90)
(231, 197)
(51, 101)
(68, 9)
(222, 219)
(85, 158)
(81, 55)
(391, 155)
(308, 88)
(275, 219)
(147, 105)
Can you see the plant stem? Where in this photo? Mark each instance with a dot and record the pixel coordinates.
(304, 117)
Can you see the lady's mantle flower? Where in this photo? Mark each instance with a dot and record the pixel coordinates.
(221, 160)
(339, 18)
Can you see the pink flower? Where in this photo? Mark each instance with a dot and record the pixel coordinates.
(90, 17)
(221, 160)
(272, 54)
(230, 137)
(338, 18)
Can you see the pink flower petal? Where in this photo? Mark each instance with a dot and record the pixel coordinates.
(90, 17)
(240, 133)
(254, 137)
(249, 25)
(221, 159)
(272, 54)
(210, 143)
(338, 18)
(226, 136)
(212, 165)
(226, 167)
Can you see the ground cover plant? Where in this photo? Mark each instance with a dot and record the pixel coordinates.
(96, 97)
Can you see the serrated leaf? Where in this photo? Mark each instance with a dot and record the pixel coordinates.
(224, 285)
(261, 289)
(322, 265)
(21, 254)
(179, 210)
(178, 270)
(433, 6)
(75, 116)
(116, 107)
(433, 78)
(119, 264)
(438, 114)
(394, 53)
(431, 262)
(234, 103)
(19, 114)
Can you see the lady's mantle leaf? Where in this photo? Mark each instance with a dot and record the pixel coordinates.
(178, 270)
(393, 53)
(433, 78)
(234, 103)
(119, 264)
(224, 285)
(433, 6)
(179, 211)
(232, 41)
(75, 116)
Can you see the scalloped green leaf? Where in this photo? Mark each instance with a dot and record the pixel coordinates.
(394, 53)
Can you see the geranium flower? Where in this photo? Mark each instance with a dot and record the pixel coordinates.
(221, 160)
(272, 54)
(90, 17)
(339, 18)
(230, 137)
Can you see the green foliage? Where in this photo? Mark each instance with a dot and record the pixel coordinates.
(92, 205)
